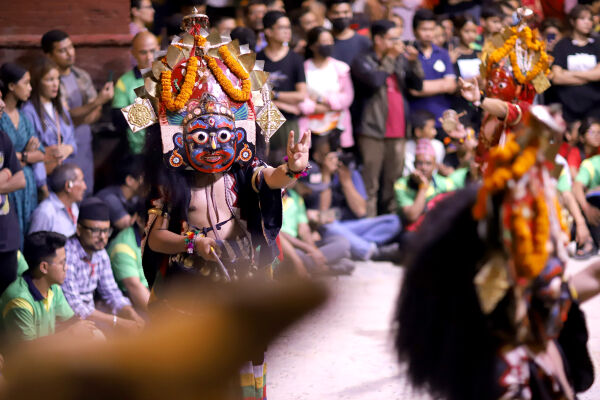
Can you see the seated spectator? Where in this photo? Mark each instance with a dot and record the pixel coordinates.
(90, 272)
(12, 179)
(34, 303)
(576, 71)
(588, 146)
(126, 261)
(143, 49)
(121, 198)
(415, 191)
(330, 90)
(342, 205)
(423, 125)
(439, 83)
(59, 212)
(49, 115)
(348, 44)
(324, 256)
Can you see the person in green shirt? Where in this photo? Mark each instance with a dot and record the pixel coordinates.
(126, 261)
(585, 189)
(414, 191)
(144, 46)
(34, 302)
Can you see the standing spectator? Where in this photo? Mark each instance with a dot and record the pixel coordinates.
(85, 105)
(348, 44)
(303, 21)
(49, 116)
(142, 16)
(16, 89)
(223, 24)
(491, 22)
(466, 64)
(382, 79)
(286, 75)
(89, 270)
(58, 213)
(143, 49)
(330, 90)
(439, 77)
(33, 304)
(253, 16)
(552, 31)
(576, 72)
(126, 262)
(122, 198)
(12, 179)
(244, 36)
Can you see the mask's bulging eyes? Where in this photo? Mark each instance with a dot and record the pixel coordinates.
(502, 85)
(200, 137)
(224, 136)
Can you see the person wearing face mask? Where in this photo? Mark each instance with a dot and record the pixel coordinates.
(330, 90)
(348, 44)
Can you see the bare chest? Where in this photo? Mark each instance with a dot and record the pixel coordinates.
(212, 211)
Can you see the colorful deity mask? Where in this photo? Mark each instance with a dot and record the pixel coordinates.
(501, 85)
(210, 142)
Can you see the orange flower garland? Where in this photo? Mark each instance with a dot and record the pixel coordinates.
(530, 249)
(186, 89)
(239, 95)
(526, 36)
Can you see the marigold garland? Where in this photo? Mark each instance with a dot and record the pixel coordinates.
(530, 249)
(186, 89)
(526, 36)
(239, 95)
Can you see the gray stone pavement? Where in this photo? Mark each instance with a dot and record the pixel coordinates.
(344, 350)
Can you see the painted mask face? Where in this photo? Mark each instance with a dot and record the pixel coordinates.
(501, 85)
(211, 142)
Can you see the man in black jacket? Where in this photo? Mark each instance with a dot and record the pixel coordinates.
(382, 79)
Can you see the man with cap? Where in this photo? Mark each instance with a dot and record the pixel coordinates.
(89, 270)
(414, 192)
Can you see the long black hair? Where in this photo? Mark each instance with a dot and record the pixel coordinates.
(441, 334)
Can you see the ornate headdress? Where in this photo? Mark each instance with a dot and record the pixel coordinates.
(519, 51)
(196, 64)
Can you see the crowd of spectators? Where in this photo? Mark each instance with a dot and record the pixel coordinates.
(373, 80)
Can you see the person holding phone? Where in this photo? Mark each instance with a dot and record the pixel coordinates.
(84, 102)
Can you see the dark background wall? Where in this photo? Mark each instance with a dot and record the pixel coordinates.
(98, 28)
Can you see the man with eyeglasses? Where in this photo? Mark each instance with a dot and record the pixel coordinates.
(89, 271)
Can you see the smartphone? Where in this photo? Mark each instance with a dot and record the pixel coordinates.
(551, 37)
(110, 77)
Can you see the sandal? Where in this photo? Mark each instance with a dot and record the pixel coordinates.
(586, 251)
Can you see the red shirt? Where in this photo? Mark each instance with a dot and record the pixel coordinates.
(395, 126)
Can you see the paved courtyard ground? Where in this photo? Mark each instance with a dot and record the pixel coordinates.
(344, 350)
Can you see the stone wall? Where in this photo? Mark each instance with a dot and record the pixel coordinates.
(99, 30)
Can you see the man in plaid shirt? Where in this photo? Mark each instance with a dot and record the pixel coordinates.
(89, 270)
